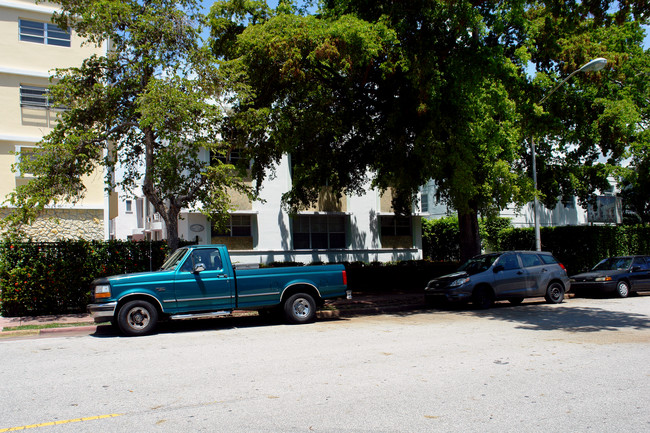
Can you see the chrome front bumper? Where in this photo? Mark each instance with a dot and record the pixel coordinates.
(102, 311)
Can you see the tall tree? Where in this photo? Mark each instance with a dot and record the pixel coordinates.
(404, 92)
(150, 106)
(594, 128)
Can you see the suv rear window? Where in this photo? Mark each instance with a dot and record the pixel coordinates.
(548, 259)
(530, 260)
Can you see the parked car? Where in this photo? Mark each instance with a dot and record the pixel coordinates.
(615, 275)
(511, 275)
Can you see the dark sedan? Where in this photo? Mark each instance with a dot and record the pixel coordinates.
(615, 275)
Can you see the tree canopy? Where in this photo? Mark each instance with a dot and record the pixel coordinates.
(404, 92)
(150, 106)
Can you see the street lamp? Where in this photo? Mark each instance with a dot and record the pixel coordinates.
(592, 66)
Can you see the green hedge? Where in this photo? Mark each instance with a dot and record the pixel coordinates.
(406, 276)
(54, 278)
(377, 277)
(580, 247)
(440, 237)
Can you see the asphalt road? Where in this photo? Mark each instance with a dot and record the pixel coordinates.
(581, 366)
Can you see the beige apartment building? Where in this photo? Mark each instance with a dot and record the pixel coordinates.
(31, 49)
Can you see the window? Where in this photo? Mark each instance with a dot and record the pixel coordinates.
(425, 203)
(395, 226)
(548, 259)
(232, 156)
(640, 262)
(530, 260)
(24, 153)
(34, 97)
(238, 226)
(318, 232)
(509, 262)
(210, 258)
(129, 206)
(43, 33)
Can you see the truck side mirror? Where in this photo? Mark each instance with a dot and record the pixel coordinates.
(199, 267)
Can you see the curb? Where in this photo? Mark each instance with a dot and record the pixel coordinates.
(366, 311)
(68, 330)
(23, 333)
(49, 331)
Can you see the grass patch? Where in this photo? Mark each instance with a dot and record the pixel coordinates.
(50, 325)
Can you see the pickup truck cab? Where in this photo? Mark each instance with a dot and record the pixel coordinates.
(200, 281)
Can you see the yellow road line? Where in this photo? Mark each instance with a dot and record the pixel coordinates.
(67, 421)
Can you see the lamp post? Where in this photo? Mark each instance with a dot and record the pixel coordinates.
(592, 66)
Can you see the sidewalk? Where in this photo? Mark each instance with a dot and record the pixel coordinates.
(360, 304)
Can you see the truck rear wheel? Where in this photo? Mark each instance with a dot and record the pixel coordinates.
(137, 318)
(300, 308)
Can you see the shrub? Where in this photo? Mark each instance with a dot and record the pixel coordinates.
(577, 247)
(491, 229)
(54, 278)
(580, 247)
(440, 239)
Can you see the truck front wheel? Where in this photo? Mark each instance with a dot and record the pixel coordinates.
(137, 318)
(300, 308)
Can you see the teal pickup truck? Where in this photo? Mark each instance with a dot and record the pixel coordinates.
(200, 282)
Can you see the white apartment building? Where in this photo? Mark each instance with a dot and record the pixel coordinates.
(353, 228)
(32, 47)
(608, 210)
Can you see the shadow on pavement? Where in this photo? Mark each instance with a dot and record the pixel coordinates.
(539, 317)
(533, 314)
(197, 325)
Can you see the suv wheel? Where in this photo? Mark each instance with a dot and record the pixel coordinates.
(554, 293)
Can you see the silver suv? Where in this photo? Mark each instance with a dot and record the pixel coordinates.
(511, 275)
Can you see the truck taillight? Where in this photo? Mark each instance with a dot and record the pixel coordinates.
(345, 278)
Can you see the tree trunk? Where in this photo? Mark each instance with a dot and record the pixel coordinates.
(470, 242)
(172, 230)
(169, 212)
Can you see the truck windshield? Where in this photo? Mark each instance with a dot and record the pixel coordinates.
(613, 264)
(478, 264)
(173, 260)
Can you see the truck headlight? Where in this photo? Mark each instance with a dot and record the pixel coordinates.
(102, 291)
